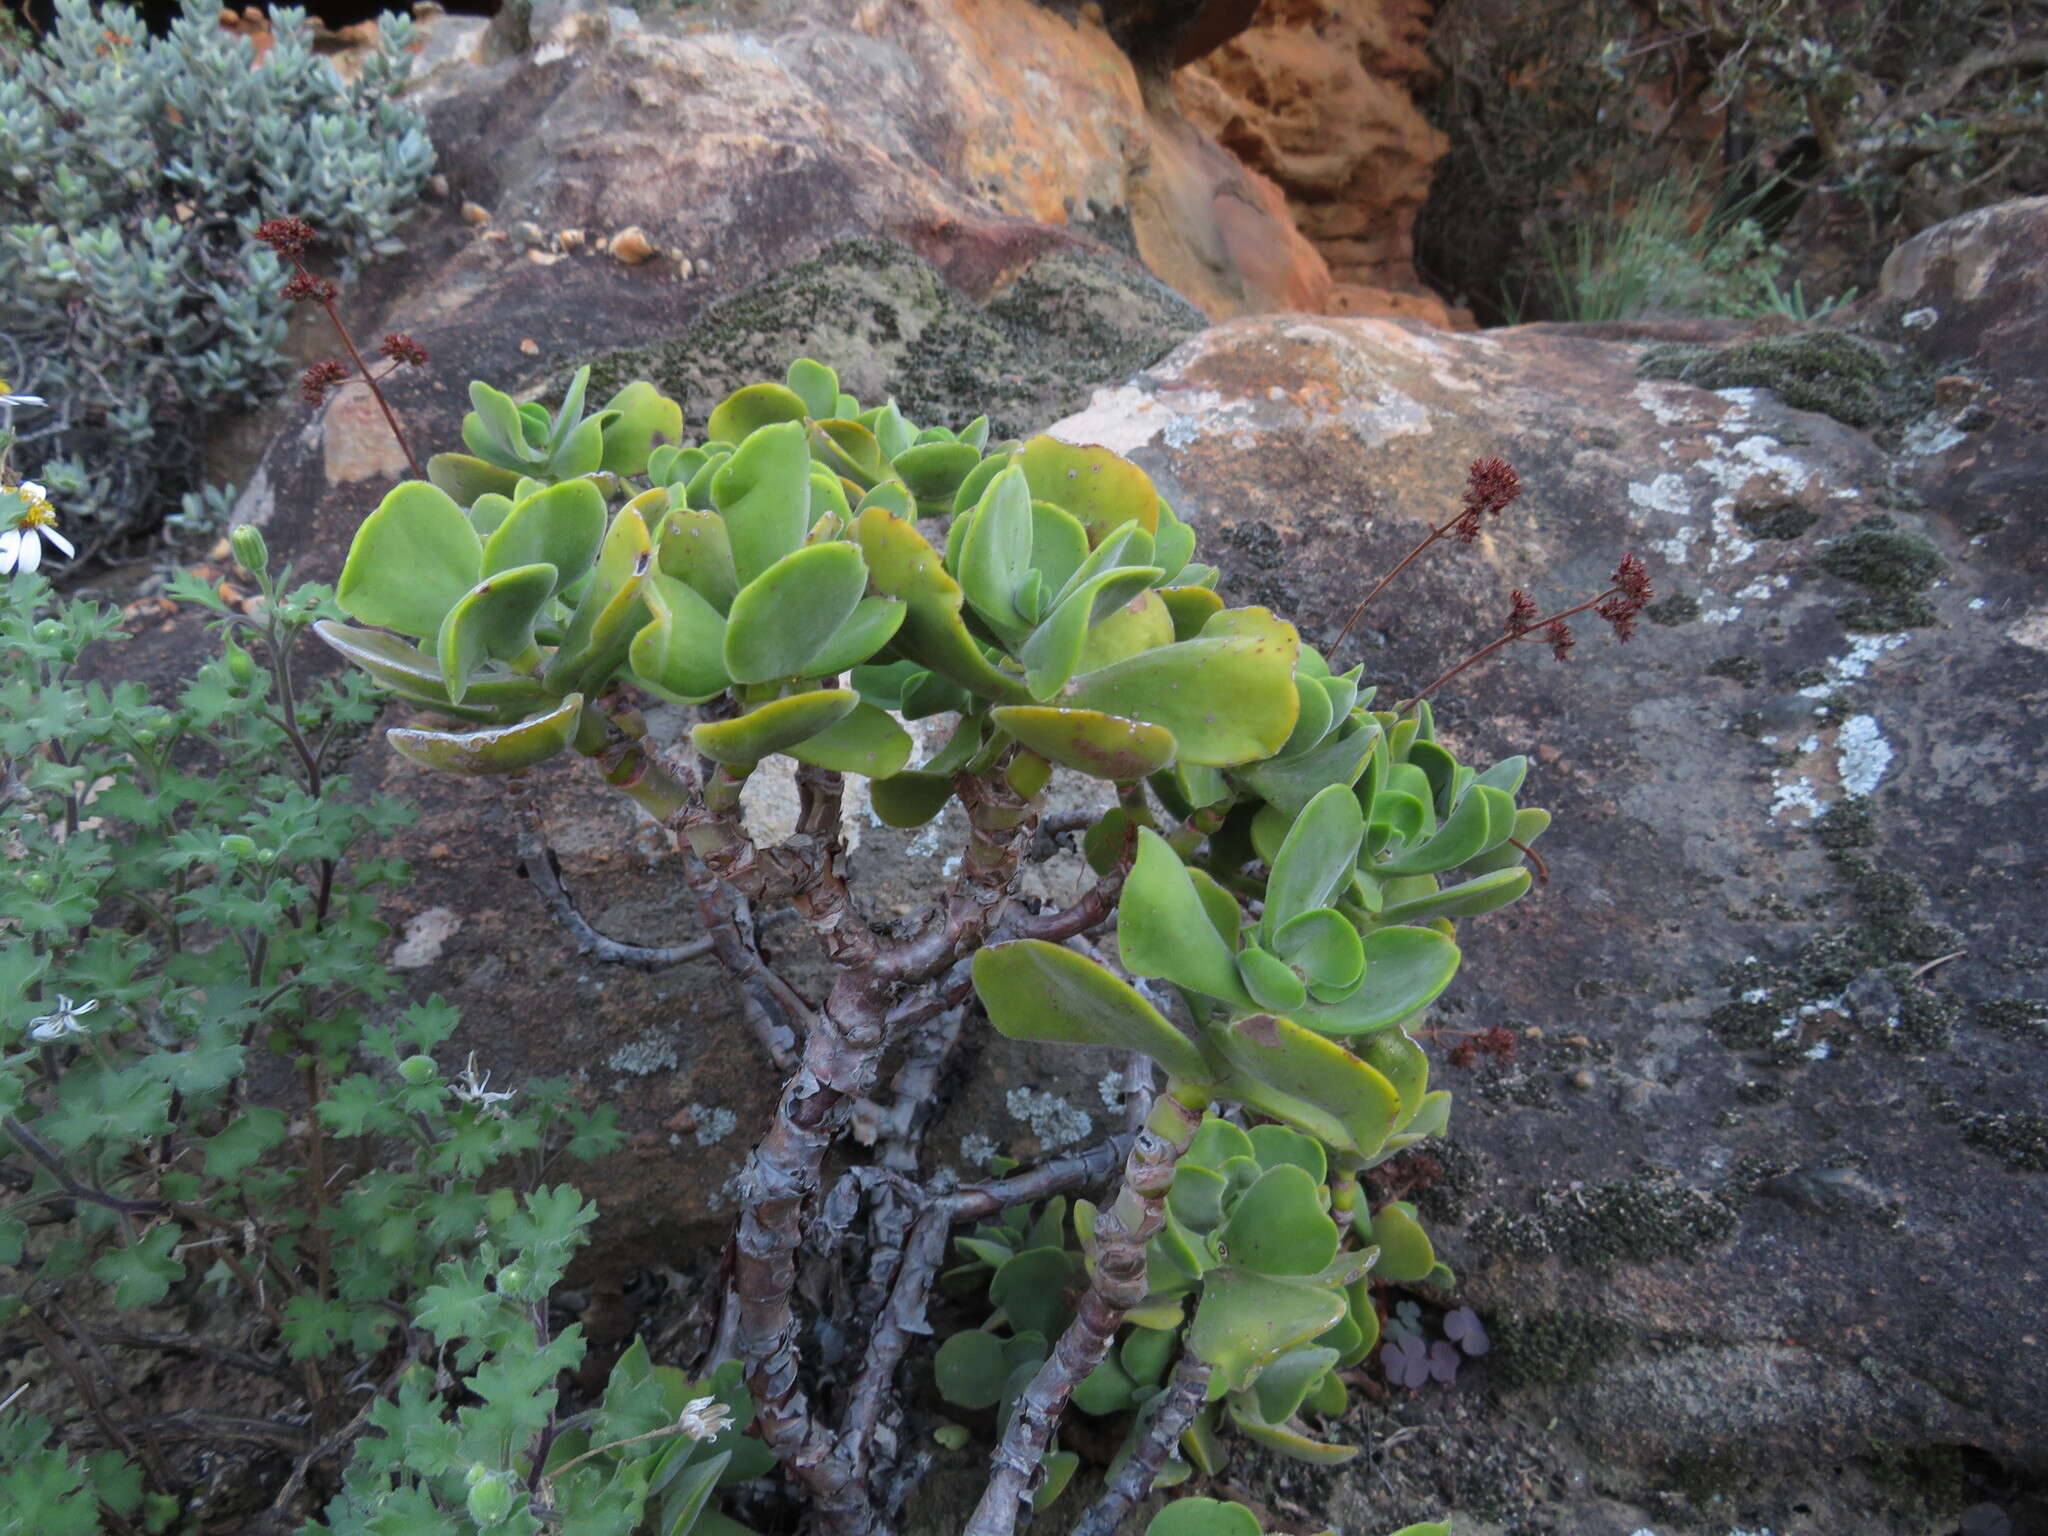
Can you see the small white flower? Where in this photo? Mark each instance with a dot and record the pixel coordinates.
(474, 1088)
(704, 1418)
(52, 1027)
(9, 399)
(21, 541)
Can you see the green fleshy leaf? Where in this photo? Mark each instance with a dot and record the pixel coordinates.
(773, 727)
(1287, 1382)
(902, 564)
(789, 613)
(1031, 1289)
(1469, 898)
(1316, 860)
(746, 411)
(1270, 980)
(1405, 970)
(816, 385)
(1325, 949)
(910, 799)
(679, 655)
(1226, 699)
(609, 613)
(1244, 1320)
(696, 549)
(1056, 648)
(1100, 745)
(1038, 991)
(1296, 1447)
(417, 676)
(494, 749)
(1164, 929)
(1341, 758)
(764, 491)
(872, 625)
(410, 562)
(492, 621)
(970, 1369)
(466, 478)
(933, 472)
(1279, 1227)
(1356, 1108)
(1401, 1062)
(868, 741)
(1406, 1256)
(640, 414)
(995, 552)
(1099, 487)
(562, 526)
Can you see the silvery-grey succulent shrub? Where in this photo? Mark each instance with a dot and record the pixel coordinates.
(135, 169)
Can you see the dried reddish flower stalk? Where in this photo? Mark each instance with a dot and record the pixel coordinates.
(289, 237)
(402, 349)
(1491, 485)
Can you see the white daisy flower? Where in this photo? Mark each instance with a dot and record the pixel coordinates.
(52, 1027)
(28, 529)
(704, 1418)
(9, 399)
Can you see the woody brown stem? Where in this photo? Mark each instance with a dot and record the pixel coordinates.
(1118, 1284)
(1174, 1411)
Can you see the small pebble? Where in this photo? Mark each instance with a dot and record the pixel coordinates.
(1581, 1079)
(631, 246)
(530, 347)
(472, 214)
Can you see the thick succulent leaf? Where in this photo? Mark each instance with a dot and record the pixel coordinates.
(1031, 1290)
(1401, 1062)
(970, 1369)
(889, 495)
(745, 411)
(1225, 700)
(773, 727)
(1406, 1255)
(640, 415)
(995, 552)
(494, 429)
(1225, 915)
(493, 621)
(1287, 1382)
(1279, 1226)
(697, 492)
(790, 612)
(764, 490)
(1296, 1447)
(1038, 991)
(1164, 928)
(410, 562)
(934, 472)
(1530, 824)
(679, 655)
(1127, 545)
(1271, 981)
(493, 749)
(1191, 608)
(413, 673)
(1317, 1072)
(969, 494)
(1203, 1517)
(465, 477)
(1326, 950)
(1099, 487)
(1100, 745)
(1106, 1389)
(1173, 542)
(696, 549)
(1405, 970)
(609, 613)
(1462, 836)
(1244, 1320)
(868, 741)
(1056, 648)
(1340, 758)
(1057, 1469)
(489, 511)
(872, 625)
(561, 526)
(1314, 719)
(1208, 1456)
(1196, 1197)
(1275, 1146)
(828, 494)
(1216, 1142)
(582, 453)
(850, 451)
(893, 435)
(1316, 860)
(902, 564)
(1130, 624)
(1469, 898)
(816, 385)
(1058, 543)
(1146, 1353)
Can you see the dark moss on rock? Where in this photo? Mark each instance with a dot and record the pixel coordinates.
(1547, 1349)
(1679, 608)
(2021, 1138)
(1828, 371)
(884, 317)
(1775, 519)
(1746, 670)
(1636, 1220)
(1894, 567)
(2017, 1016)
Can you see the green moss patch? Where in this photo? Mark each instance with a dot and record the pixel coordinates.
(1548, 1349)
(1636, 1220)
(1895, 568)
(1828, 371)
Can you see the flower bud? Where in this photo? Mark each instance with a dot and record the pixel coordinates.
(476, 1474)
(48, 630)
(512, 1279)
(417, 1069)
(236, 845)
(145, 738)
(490, 1499)
(240, 664)
(247, 542)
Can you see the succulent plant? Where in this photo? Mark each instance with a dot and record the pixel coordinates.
(1215, 1517)
(137, 166)
(1287, 863)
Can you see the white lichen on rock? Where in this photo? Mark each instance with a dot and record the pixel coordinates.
(1054, 1121)
(650, 1053)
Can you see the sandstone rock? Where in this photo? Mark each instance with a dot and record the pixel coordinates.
(1318, 96)
(1696, 926)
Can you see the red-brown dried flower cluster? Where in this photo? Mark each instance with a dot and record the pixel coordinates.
(318, 379)
(1522, 612)
(304, 285)
(1632, 578)
(1491, 486)
(401, 348)
(287, 237)
(1497, 1043)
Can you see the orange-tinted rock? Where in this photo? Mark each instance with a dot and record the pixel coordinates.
(1318, 96)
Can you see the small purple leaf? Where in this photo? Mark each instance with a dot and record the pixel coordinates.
(1442, 1362)
(1464, 1326)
